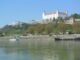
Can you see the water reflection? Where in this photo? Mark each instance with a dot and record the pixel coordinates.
(56, 51)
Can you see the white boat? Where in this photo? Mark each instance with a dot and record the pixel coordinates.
(13, 39)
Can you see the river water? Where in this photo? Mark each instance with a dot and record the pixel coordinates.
(61, 50)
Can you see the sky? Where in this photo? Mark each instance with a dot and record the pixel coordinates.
(28, 10)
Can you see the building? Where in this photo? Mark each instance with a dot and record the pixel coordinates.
(48, 17)
(53, 15)
(72, 21)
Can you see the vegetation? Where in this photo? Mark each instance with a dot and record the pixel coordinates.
(77, 16)
(56, 26)
(76, 27)
(17, 29)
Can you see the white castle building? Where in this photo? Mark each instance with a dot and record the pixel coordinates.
(50, 16)
(53, 15)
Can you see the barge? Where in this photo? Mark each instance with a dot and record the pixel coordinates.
(67, 37)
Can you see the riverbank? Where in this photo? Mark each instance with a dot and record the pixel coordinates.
(32, 39)
(43, 38)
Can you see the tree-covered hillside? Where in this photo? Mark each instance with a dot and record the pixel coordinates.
(57, 26)
(17, 29)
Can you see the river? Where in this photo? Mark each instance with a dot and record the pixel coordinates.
(61, 50)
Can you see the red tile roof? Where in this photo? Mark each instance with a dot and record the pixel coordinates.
(62, 13)
(49, 13)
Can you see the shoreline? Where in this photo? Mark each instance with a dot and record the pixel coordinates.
(40, 37)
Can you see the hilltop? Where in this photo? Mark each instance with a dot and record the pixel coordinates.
(54, 27)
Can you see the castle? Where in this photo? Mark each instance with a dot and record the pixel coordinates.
(53, 15)
(49, 16)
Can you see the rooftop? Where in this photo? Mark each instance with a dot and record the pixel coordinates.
(49, 13)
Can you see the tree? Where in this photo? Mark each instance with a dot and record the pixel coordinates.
(40, 28)
(76, 16)
(61, 27)
(76, 27)
(49, 28)
(31, 30)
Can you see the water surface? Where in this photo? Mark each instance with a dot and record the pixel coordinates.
(37, 50)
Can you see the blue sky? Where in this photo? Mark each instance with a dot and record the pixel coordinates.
(27, 10)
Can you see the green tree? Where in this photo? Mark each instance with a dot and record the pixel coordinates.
(61, 27)
(31, 30)
(40, 28)
(76, 27)
(75, 15)
(49, 28)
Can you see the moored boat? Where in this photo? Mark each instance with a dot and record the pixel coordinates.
(67, 37)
